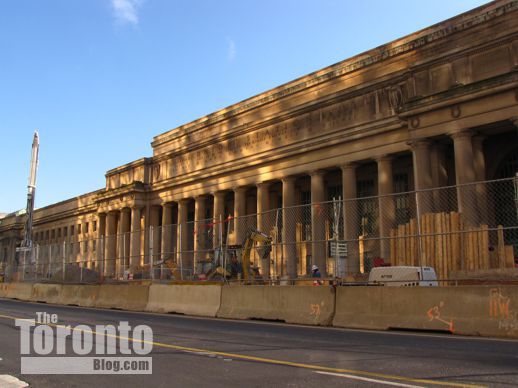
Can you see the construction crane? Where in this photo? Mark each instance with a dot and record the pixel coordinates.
(26, 245)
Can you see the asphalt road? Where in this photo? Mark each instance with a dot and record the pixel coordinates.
(205, 352)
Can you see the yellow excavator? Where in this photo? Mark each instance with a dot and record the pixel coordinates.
(234, 268)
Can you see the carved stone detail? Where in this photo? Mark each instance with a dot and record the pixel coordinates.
(156, 171)
(395, 97)
(455, 111)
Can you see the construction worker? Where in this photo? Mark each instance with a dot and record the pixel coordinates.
(315, 273)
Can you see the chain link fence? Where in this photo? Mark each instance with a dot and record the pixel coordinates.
(466, 233)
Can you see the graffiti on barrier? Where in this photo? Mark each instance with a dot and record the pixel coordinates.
(500, 308)
(315, 310)
(434, 314)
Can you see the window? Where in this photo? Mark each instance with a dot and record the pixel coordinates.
(305, 199)
(78, 229)
(367, 208)
(334, 192)
(94, 226)
(86, 228)
(402, 200)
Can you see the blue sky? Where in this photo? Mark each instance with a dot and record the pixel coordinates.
(100, 78)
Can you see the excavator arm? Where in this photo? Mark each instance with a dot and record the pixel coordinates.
(253, 237)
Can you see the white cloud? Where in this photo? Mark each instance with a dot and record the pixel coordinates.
(126, 11)
(231, 51)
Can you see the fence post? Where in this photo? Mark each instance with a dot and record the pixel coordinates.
(276, 258)
(82, 262)
(64, 263)
(418, 220)
(221, 243)
(101, 258)
(36, 254)
(151, 252)
(49, 271)
(180, 250)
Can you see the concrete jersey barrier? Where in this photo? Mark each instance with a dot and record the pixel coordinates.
(307, 305)
(48, 293)
(3, 290)
(80, 295)
(201, 300)
(22, 291)
(123, 296)
(467, 310)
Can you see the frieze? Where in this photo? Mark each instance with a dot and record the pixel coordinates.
(309, 125)
(240, 146)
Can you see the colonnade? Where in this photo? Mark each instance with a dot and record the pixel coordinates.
(173, 242)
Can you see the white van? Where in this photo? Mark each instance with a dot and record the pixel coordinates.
(403, 276)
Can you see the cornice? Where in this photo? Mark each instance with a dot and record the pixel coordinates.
(460, 94)
(129, 166)
(135, 187)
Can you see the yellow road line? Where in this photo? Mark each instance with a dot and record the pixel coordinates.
(273, 361)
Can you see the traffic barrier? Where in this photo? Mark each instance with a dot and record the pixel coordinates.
(123, 296)
(79, 295)
(48, 293)
(201, 300)
(292, 304)
(3, 289)
(22, 291)
(466, 310)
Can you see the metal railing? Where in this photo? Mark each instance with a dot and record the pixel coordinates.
(465, 232)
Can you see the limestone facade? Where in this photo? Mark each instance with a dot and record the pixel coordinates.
(438, 107)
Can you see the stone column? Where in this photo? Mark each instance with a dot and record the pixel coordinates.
(351, 217)
(100, 250)
(439, 177)
(111, 244)
(199, 231)
(465, 174)
(422, 175)
(183, 234)
(156, 233)
(263, 224)
(135, 239)
(145, 242)
(387, 208)
(479, 164)
(318, 215)
(124, 245)
(239, 214)
(167, 231)
(219, 218)
(289, 249)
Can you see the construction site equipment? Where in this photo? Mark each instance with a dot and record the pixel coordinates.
(25, 247)
(31, 192)
(233, 269)
(448, 244)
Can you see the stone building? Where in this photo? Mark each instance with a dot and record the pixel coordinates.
(435, 108)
